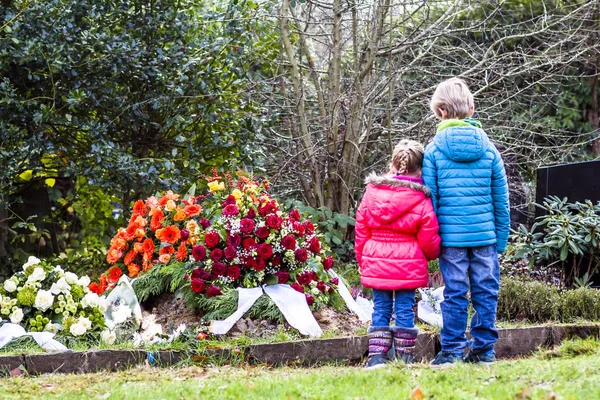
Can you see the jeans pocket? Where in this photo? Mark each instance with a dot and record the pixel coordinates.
(453, 253)
(485, 251)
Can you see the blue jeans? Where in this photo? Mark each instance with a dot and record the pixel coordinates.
(478, 268)
(383, 303)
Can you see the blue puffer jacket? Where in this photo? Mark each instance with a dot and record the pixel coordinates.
(466, 176)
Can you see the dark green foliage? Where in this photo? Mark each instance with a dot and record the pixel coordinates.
(126, 98)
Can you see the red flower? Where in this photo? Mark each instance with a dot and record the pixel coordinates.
(199, 252)
(249, 243)
(205, 275)
(196, 273)
(139, 208)
(246, 226)
(321, 286)
(309, 227)
(114, 273)
(233, 271)
(170, 234)
(297, 287)
(298, 227)
(288, 242)
(258, 264)
(216, 254)
(234, 240)
(229, 201)
(198, 285)
(262, 232)
(328, 263)
(276, 260)
(251, 214)
(212, 239)
(204, 223)
(264, 251)
(95, 288)
(295, 215)
(274, 221)
(230, 252)
(301, 255)
(230, 210)
(282, 276)
(334, 281)
(314, 245)
(213, 291)
(309, 299)
(304, 278)
(247, 262)
(157, 219)
(184, 235)
(148, 246)
(218, 269)
(133, 269)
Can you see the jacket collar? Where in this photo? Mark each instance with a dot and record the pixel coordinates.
(390, 180)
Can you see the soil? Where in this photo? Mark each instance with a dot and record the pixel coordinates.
(169, 312)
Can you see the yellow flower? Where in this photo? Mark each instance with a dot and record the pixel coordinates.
(170, 205)
(236, 193)
(251, 187)
(215, 186)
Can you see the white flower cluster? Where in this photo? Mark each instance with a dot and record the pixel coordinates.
(82, 325)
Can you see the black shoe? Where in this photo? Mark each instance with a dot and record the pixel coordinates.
(484, 357)
(445, 359)
(377, 361)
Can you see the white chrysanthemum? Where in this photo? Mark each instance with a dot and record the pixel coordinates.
(10, 286)
(91, 299)
(31, 261)
(108, 336)
(37, 275)
(77, 329)
(16, 316)
(71, 278)
(87, 324)
(59, 271)
(60, 286)
(43, 300)
(84, 281)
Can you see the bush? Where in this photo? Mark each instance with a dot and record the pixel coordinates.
(534, 301)
(581, 303)
(539, 302)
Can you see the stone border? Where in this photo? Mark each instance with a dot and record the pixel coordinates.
(512, 342)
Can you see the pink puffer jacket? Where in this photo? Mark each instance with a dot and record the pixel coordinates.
(396, 233)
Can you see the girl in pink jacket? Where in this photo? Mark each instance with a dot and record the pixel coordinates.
(396, 234)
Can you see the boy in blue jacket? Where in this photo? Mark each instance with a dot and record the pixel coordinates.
(466, 176)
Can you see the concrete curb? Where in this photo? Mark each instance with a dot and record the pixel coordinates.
(512, 342)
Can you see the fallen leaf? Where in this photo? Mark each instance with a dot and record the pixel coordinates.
(17, 372)
(417, 393)
(524, 394)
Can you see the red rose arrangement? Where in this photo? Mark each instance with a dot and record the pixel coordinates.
(236, 236)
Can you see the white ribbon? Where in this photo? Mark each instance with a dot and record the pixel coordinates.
(428, 308)
(247, 298)
(45, 340)
(363, 315)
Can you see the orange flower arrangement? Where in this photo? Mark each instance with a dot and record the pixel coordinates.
(141, 244)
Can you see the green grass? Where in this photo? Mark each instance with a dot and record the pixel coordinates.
(573, 371)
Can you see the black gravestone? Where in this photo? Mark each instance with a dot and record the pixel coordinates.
(577, 182)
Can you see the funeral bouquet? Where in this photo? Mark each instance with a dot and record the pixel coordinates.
(43, 297)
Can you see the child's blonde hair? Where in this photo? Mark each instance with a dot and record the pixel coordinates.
(454, 97)
(407, 157)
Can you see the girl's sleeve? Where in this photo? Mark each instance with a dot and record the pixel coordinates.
(361, 231)
(428, 237)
